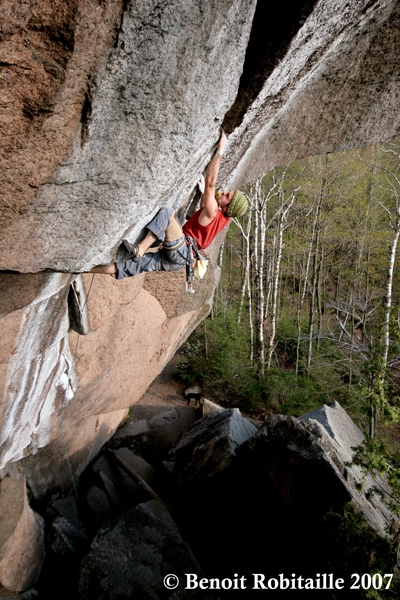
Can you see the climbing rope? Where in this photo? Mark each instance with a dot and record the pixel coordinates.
(67, 457)
(80, 312)
(72, 364)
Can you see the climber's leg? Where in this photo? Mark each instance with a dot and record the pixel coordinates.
(162, 227)
(149, 262)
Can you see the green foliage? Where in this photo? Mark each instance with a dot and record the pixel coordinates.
(336, 256)
(224, 371)
(353, 547)
(292, 394)
(377, 457)
(286, 343)
(380, 395)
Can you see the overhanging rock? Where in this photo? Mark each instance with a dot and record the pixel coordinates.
(113, 126)
(135, 325)
(336, 88)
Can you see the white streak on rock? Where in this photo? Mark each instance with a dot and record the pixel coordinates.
(40, 366)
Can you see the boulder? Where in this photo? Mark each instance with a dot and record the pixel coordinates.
(298, 466)
(107, 465)
(68, 535)
(99, 506)
(138, 464)
(305, 466)
(132, 559)
(131, 430)
(117, 499)
(208, 446)
(67, 539)
(209, 407)
(344, 435)
(154, 426)
(67, 508)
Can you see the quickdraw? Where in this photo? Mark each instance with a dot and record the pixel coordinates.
(193, 254)
(190, 265)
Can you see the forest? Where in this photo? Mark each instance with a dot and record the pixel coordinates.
(308, 306)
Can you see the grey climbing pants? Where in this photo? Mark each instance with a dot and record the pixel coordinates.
(163, 260)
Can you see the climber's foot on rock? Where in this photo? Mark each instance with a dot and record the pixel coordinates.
(132, 249)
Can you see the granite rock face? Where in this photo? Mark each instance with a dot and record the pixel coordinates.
(93, 378)
(21, 539)
(117, 117)
(37, 376)
(111, 109)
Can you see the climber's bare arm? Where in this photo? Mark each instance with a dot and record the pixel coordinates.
(208, 202)
(104, 269)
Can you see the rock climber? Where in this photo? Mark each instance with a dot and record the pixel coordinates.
(178, 243)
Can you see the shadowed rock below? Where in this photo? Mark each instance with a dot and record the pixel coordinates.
(133, 558)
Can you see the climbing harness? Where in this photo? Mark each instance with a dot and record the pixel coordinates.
(178, 246)
(191, 258)
(196, 264)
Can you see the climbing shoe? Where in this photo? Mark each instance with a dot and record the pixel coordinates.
(132, 249)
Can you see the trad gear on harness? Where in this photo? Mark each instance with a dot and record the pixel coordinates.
(192, 258)
(191, 271)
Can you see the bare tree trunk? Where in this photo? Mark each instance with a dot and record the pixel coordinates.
(282, 221)
(311, 316)
(260, 288)
(300, 304)
(274, 286)
(314, 278)
(251, 326)
(389, 288)
(318, 295)
(246, 278)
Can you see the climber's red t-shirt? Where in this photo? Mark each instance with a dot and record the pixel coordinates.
(204, 235)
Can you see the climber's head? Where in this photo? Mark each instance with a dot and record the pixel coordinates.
(233, 203)
(224, 199)
(238, 204)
